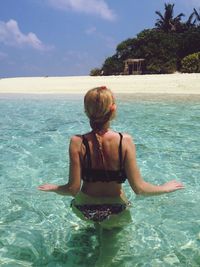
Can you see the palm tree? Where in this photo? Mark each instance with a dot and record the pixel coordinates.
(197, 15)
(167, 22)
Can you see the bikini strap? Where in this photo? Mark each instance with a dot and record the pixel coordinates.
(87, 152)
(120, 152)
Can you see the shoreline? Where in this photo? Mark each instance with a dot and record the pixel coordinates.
(168, 84)
(151, 97)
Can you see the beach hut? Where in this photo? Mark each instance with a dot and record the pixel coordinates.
(133, 66)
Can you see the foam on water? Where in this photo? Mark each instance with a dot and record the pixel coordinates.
(39, 229)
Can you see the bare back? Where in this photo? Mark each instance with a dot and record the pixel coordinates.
(110, 148)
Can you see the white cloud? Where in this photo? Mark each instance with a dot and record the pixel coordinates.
(90, 30)
(94, 7)
(11, 35)
(108, 40)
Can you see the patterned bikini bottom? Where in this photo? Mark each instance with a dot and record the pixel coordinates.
(108, 211)
(100, 212)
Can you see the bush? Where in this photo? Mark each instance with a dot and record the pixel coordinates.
(96, 72)
(191, 63)
(160, 66)
(113, 66)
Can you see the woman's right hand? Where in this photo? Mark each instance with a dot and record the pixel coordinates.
(48, 187)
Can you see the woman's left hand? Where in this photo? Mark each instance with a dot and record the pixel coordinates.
(48, 187)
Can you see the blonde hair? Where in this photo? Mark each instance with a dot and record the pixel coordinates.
(99, 103)
(100, 108)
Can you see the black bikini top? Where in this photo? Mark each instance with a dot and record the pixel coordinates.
(101, 175)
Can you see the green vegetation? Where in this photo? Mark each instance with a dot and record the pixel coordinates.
(191, 63)
(162, 47)
(95, 72)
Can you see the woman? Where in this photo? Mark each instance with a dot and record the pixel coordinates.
(103, 159)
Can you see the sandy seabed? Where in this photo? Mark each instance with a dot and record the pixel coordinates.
(184, 84)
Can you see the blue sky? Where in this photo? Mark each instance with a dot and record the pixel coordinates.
(70, 37)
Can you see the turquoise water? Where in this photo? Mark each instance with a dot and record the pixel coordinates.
(39, 229)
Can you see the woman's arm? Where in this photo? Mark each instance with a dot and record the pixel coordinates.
(74, 183)
(135, 179)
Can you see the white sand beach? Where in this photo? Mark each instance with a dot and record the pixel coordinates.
(135, 84)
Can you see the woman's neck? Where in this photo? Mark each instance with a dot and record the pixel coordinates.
(103, 130)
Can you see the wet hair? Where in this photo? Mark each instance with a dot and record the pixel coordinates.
(100, 108)
(98, 103)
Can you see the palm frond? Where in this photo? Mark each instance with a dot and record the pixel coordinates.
(160, 15)
(197, 15)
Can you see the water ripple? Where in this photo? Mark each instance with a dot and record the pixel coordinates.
(38, 229)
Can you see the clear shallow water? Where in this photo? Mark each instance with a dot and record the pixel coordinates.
(39, 229)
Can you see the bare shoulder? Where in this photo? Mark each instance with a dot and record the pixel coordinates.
(76, 138)
(127, 138)
(75, 141)
(128, 142)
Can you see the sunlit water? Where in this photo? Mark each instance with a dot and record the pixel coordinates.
(39, 229)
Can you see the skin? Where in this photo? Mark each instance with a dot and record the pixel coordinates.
(110, 142)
